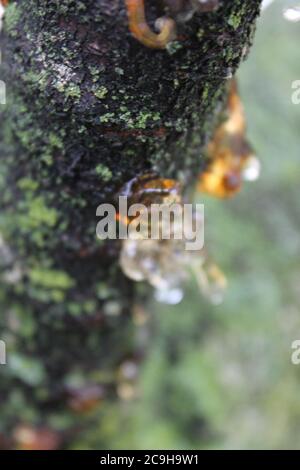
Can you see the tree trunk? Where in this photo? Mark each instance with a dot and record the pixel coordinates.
(89, 107)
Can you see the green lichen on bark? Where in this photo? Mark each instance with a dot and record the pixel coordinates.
(88, 109)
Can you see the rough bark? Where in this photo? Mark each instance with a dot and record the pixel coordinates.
(89, 108)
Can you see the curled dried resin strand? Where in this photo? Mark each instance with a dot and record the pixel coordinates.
(141, 31)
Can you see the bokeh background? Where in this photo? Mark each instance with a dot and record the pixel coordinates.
(221, 376)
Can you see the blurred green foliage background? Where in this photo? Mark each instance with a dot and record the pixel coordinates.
(222, 377)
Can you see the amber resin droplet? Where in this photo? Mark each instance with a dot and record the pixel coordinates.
(149, 189)
(230, 157)
(165, 264)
